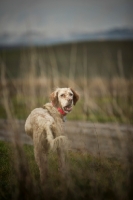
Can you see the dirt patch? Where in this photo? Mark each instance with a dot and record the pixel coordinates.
(110, 140)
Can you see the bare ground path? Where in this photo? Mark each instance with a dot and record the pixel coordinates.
(110, 140)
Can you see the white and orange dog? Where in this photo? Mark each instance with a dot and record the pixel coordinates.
(45, 126)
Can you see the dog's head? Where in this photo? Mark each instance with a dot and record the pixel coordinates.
(64, 98)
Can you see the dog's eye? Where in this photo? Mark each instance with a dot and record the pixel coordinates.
(71, 94)
(62, 95)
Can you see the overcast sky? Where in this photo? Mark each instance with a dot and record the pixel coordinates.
(60, 17)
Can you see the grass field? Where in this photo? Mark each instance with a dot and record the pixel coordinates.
(101, 100)
(106, 59)
(88, 177)
(101, 72)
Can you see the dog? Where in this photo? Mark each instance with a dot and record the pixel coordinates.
(45, 126)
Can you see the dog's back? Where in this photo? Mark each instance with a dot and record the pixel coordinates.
(38, 119)
(45, 125)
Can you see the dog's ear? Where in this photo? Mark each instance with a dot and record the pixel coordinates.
(75, 96)
(54, 98)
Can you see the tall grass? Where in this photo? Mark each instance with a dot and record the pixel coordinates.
(88, 177)
(40, 70)
(101, 100)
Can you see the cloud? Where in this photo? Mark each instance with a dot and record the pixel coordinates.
(61, 16)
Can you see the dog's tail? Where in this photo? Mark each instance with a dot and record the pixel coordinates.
(60, 142)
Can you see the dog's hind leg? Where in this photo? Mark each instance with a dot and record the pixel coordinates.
(63, 171)
(41, 157)
(62, 162)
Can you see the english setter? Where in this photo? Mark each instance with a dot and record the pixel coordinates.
(45, 126)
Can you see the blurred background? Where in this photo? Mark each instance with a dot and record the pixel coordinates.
(86, 45)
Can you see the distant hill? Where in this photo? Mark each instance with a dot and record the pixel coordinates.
(113, 34)
(38, 38)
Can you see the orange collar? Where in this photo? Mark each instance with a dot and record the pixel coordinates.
(61, 111)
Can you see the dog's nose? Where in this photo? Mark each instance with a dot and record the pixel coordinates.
(69, 100)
